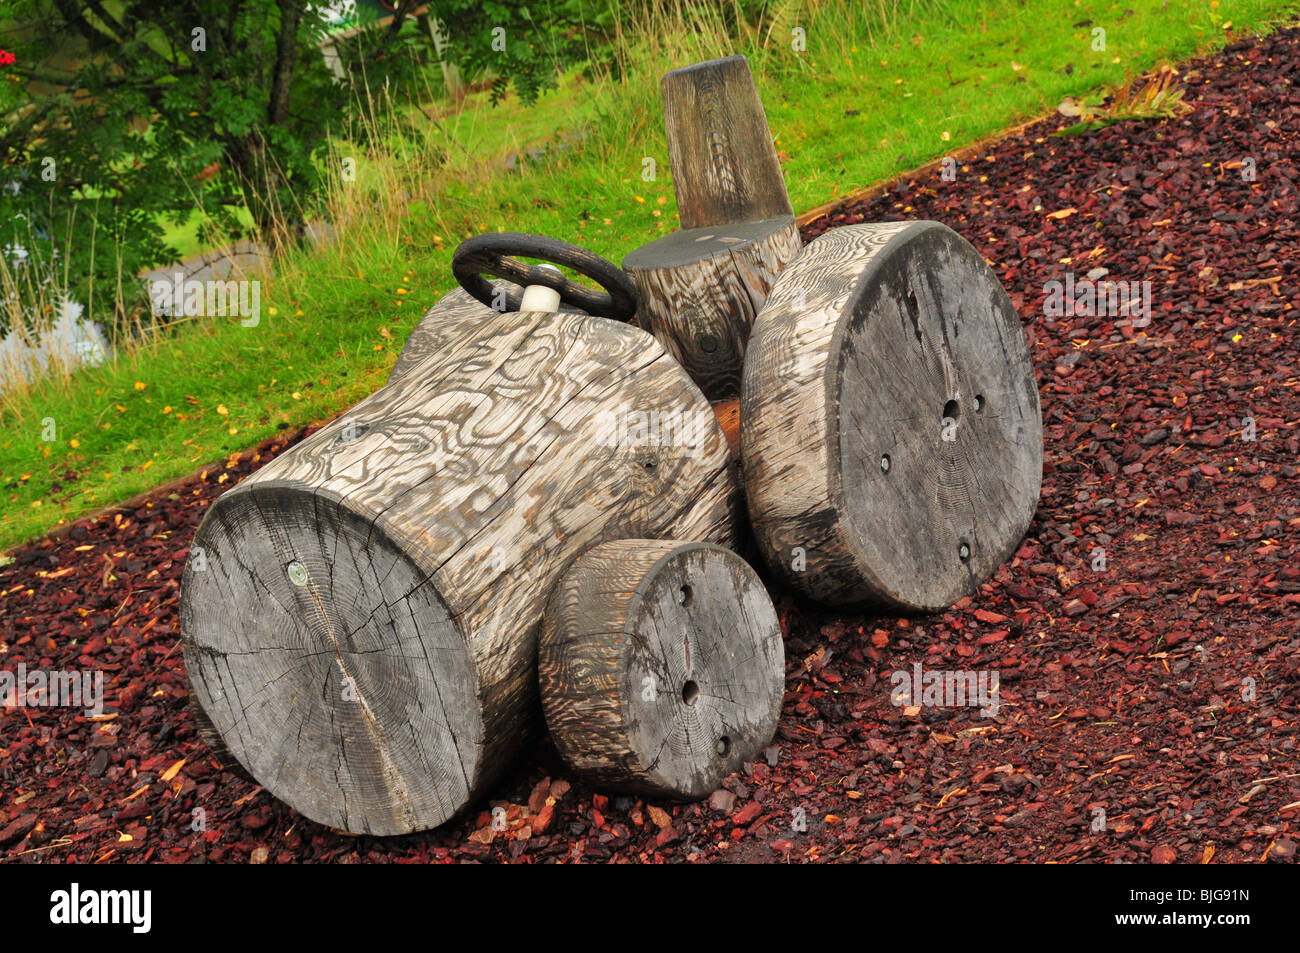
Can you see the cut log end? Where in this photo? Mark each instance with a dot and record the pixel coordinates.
(328, 665)
(891, 437)
(661, 667)
(212, 740)
(699, 290)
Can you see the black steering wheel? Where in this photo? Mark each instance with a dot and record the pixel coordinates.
(492, 254)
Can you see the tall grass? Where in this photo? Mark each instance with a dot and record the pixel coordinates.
(448, 150)
(36, 316)
(456, 155)
(883, 86)
(37, 301)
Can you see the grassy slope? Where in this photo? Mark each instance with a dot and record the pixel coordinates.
(846, 114)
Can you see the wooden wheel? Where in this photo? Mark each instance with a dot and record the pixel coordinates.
(660, 666)
(891, 437)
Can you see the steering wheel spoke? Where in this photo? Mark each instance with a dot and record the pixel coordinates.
(495, 254)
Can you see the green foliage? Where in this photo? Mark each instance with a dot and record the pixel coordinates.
(1158, 98)
(123, 116)
(527, 47)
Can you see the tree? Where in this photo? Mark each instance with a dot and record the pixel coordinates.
(117, 117)
(525, 46)
(121, 119)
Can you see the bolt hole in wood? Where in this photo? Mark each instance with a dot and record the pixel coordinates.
(963, 551)
(951, 410)
(690, 692)
(724, 746)
(885, 463)
(684, 596)
(980, 403)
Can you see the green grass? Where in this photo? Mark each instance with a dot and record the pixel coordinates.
(868, 99)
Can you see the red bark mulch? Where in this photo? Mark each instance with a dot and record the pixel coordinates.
(1124, 690)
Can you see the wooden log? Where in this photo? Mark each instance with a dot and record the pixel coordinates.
(661, 667)
(724, 163)
(700, 289)
(891, 437)
(457, 313)
(363, 634)
(453, 317)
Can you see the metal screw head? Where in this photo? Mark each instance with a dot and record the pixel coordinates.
(963, 552)
(297, 573)
(884, 463)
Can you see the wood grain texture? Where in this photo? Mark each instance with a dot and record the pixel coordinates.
(453, 318)
(724, 164)
(866, 343)
(699, 290)
(661, 667)
(364, 634)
